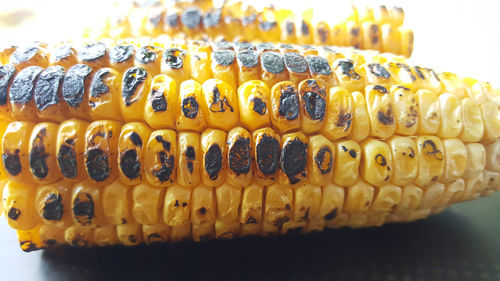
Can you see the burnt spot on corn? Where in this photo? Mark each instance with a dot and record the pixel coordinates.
(166, 169)
(79, 241)
(21, 90)
(190, 107)
(223, 45)
(380, 89)
(191, 156)
(386, 118)
(213, 161)
(289, 103)
(294, 159)
(202, 210)
(92, 52)
(268, 151)
(14, 213)
(430, 148)
(12, 162)
(248, 58)
(147, 54)
(74, 84)
(240, 156)
(287, 47)
(218, 104)
(136, 139)
(173, 20)
(331, 215)
(62, 52)
(347, 68)
(380, 160)
(223, 57)
(6, 75)
(158, 101)
(373, 34)
(24, 54)
(191, 18)
(295, 62)
(259, 105)
(133, 78)
(279, 222)
(212, 18)
(83, 208)
(47, 87)
(344, 119)
(251, 220)
(97, 164)
(272, 62)
(262, 47)
(322, 33)
(379, 71)
(165, 144)
(353, 153)
(121, 53)
(418, 71)
(318, 65)
(66, 158)
(174, 57)
(98, 87)
(53, 207)
(156, 19)
(324, 160)
(28, 246)
(38, 157)
(154, 238)
(267, 25)
(247, 20)
(412, 152)
(354, 31)
(314, 101)
(241, 46)
(304, 28)
(289, 28)
(129, 164)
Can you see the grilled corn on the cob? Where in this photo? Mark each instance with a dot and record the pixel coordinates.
(110, 149)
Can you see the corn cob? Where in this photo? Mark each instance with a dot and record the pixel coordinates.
(374, 28)
(111, 150)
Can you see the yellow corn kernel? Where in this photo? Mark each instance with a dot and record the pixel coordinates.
(451, 116)
(227, 230)
(131, 152)
(339, 114)
(473, 127)
(213, 152)
(372, 36)
(304, 34)
(376, 165)
(405, 160)
(493, 156)
(155, 233)
(116, 203)
(293, 158)
(149, 57)
(402, 75)
(491, 180)
(390, 39)
(452, 191)
(248, 66)
(321, 155)
(278, 207)
(307, 201)
(159, 157)
(406, 41)
(430, 160)
(14, 151)
(104, 95)
(429, 112)
(224, 66)
(191, 117)
(51, 235)
(346, 167)
(491, 117)
(30, 240)
(312, 96)
(360, 121)
(203, 205)
(453, 84)
(377, 74)
(339, 35)
(180, 233)
(410, 200)
(349, 74)
(129, 234)
(251, 210)
(358, 198)
(135, 86)
(476, 160)
(473, 187)
(42, 152)
(455, 160)
(387, 198)
(253, 105)
(200, 61)
(146, 203)
(177, 206)
(285, 110)
(70, 143)
(239, 157)
(101, 143)
(189, 159)
(105, 236)
(228, 202)
(176, 63)
(18, 206)
(160, 110)
(220, 104)
(272, 68)
(332, 201)
(405, 110)
(53, 203)
(381, 111)
(432, 195)
(86, 205)
(353, 36)
(203, 232)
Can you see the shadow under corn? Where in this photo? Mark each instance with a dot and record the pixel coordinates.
(442, 247)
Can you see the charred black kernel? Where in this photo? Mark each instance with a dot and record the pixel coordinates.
(265, 47)
(248, 19)
(294, 159)
(287, 47)
(267, 25)
(218, 104)
(174, 57)
(259, 105)
(345, 149)
(132, 79)
(97, 164)
(412, 153)
(290, 28)
(223, 45)
(379, 71)
(354, 32)
(315, 105)
(190, 153)
(202, 210)
(38, 157)
(6, 75)
(324, 160)
(251, 220)
(24, 54)
(173, 20)
(53, 207)
(347, 68)
(279, 222)
(190, 107)
(121, 53)
(289, 104)
(47, 87)
(295, 62)
(191, 18)
(98, 87)
(430, 148)
(83, 208)
(322, 33)
(272, 62)
(147, 54)
(14, 213)
(380, 160)
(380, 89)
(12, 162)
(433, 74)
(28, 246)
(240, 156)
(304, 28)
(241, 46)
(129, 164)
(155, 19)
(158, 101)
(344, 119)
(62, 52)
(418, 71)
(74, 84)
(93, 51)
(154, 238)
(213, 161)
(167, 163)
(184, 204)
(386, 118)
(268, 151)
(331, 215)
(353, 153)
(374, 33)
(288, 207)
(318, 65)
(212, 18)
(21, 90)
(308, 47)
(66, 158)
(223, 57)
(248, 58)
(135, 139)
